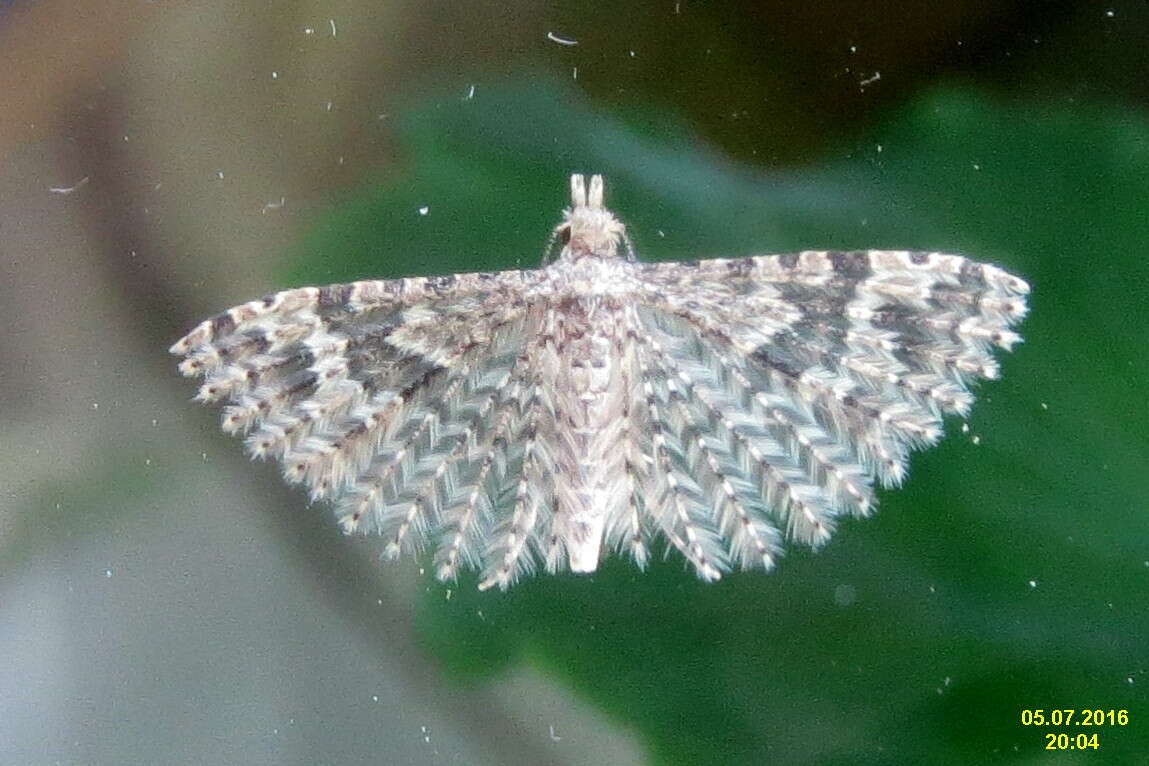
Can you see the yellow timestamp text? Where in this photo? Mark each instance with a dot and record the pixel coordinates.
(1071, 741)
(1074, 717)
(1082, 738)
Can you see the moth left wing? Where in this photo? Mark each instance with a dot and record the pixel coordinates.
(371, 391)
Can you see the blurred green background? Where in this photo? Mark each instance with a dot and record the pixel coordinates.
(163, 601)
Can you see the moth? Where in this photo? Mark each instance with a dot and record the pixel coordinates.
(547, 417)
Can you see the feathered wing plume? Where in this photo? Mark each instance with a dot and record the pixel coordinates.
(522, 419)
(808, 376)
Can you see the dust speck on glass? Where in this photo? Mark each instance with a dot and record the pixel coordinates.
(546, 417)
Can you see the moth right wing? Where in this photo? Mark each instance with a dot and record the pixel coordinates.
(818, 372)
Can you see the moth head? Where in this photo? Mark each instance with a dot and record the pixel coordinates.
(588, 229)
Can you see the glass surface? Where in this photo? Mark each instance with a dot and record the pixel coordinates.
(165, 600)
